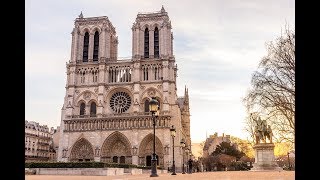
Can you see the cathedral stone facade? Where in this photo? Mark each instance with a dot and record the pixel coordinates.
(105, 116)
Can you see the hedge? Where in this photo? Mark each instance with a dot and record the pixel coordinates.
(64, 165)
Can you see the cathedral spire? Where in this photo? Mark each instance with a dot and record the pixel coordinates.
(81, 15)
(186, 95)
(162, 9)
(185, 90)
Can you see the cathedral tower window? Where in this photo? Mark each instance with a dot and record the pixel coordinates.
(82, 109)
(85, 47)
(93, 109)
(146, 43)
(156, 43)
(96, 46)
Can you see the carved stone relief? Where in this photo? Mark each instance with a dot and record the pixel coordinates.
(87, 95)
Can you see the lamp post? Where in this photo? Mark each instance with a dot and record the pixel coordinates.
(153, 107)
(288, 162)
(173, 134)
(183, 144)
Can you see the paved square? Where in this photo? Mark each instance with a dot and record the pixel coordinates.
(221, 175)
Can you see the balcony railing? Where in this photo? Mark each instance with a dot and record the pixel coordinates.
(162, 113)
(43, 143)
(116, 122)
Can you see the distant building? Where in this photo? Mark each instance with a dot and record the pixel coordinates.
(212, 142)
(38, 142)
(56, 138)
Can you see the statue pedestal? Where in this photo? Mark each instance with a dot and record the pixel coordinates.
(264, 158)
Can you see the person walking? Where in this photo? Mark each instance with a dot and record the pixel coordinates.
(190, 166)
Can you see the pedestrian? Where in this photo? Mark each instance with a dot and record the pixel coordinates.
(190, 165)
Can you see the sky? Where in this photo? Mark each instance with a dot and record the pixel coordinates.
(217, 46)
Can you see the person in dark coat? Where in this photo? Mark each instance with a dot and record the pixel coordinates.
(190, 165)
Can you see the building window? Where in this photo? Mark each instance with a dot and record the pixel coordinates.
(156, 43)
(82, 109)
(145, 73)
(122, 159)
(96, 46)
(146, 106)
(85, 47)
(120, 102)
(146, 43)
(156, 73)
(94, 76)
(93, 109)
(115, 159)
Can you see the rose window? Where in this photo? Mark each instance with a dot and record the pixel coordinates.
(120, 102)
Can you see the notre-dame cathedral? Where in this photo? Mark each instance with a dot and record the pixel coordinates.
(105, 116)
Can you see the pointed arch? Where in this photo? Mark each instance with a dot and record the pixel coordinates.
(146, 43)
(96, 46)
(82, 109)
(146, 150)
(146, 146)
(85, 47)
(82, 151)
(93, 109)
(115, 146)
(156, 42)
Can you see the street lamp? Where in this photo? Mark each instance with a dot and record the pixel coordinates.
(154, 107)
(183, 144)
(173, 134)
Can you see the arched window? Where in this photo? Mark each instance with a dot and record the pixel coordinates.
(82, 109)
(96, 46)
(146, 106)
(85, 47)
(156, 42)
(93, 109)
(146, 43)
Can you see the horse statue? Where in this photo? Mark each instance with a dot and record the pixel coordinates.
(262, 131)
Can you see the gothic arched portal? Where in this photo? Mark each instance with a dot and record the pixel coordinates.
(146, 150)
(116, 147)
(81, 151)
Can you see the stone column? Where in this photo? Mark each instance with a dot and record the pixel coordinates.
(151, 43)
(90, 51)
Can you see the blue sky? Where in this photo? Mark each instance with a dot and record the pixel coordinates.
(217, 44)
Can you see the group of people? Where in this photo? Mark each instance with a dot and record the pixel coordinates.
(189, 167)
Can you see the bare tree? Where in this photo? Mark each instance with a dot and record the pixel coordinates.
(272, 95)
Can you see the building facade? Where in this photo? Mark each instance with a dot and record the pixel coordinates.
(38, 142)
(105, 116)
(212, 142)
